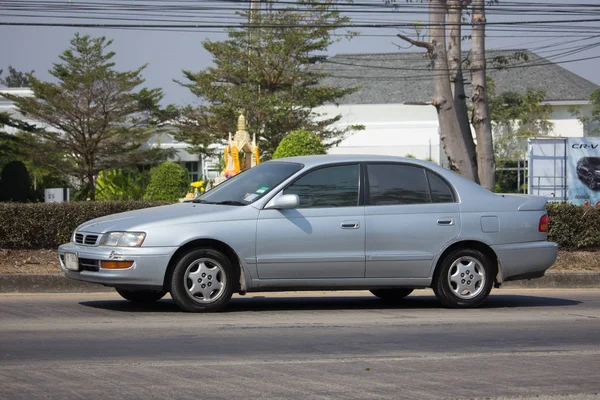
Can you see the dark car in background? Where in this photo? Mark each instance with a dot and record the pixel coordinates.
(588, 170)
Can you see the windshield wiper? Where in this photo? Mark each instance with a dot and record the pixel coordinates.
(225, 202)
(230, 203)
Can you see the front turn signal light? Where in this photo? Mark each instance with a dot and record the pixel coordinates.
(543, 227)
(115, 264)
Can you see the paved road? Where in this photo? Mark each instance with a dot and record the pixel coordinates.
(345, 346)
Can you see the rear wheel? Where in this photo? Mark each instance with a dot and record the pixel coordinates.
(203, 280)
(142, 296)
(391, 295)
(464, 279)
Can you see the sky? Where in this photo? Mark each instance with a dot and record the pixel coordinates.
(167, 53)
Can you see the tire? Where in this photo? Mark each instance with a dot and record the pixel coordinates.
(391, 295)
(453, 289)
(203, 281)
(591, 181)
(142, 296)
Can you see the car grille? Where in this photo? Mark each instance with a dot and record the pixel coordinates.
(86, 264)
(88, 240)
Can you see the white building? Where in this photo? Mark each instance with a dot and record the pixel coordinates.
(395, 92)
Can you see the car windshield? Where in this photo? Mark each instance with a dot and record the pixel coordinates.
(595, 161)
(249, 186)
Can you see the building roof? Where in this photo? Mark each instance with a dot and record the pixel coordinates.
(405, 77)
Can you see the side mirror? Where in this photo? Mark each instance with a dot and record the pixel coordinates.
(284, 202)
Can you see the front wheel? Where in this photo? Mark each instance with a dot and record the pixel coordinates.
(203, 280)
(391, 295)
(591, 182)
(142, 296)
(464, 279)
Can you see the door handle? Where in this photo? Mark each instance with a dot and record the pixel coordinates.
(350, 225)
(446, 221)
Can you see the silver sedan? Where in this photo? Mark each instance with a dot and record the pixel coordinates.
(384, 224)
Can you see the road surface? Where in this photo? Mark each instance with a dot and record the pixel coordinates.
(346, 345)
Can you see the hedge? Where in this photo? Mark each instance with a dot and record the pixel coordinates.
(574, 227)
(47, 225)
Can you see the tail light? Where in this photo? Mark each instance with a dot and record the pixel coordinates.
(543, 227)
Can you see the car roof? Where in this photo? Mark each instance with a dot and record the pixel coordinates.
(311, 161)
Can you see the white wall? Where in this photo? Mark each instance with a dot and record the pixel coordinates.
(565, 124)
(399, 129)
(390, 129)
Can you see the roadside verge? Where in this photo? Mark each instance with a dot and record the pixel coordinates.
(57, 283)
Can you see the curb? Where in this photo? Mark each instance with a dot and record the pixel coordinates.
(46, 283)
(57, 283)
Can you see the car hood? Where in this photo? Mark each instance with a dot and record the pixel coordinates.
(184, 213)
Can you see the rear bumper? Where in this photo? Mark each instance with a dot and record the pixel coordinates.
(148, 269)
(525, 260)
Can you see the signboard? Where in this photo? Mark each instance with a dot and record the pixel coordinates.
(583, 178)
(56, 195)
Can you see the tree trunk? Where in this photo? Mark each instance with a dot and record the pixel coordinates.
(457, 83)
(450, 132)
(481, 114)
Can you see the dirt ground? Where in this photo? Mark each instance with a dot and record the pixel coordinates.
(46, 261)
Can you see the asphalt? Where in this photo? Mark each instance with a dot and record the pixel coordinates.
(317, 345)
(57, 283)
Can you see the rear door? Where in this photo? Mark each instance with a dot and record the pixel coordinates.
(411, 213)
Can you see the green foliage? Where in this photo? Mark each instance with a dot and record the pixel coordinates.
(508, 181)
(112, 185)
(516, 116)
(98, 121)
(47, 225)
(15, 184)
(409, 155)
(590, 123)
(574, 227)
(277, 84)
(15, 78)
(299, 143)
(169, 181)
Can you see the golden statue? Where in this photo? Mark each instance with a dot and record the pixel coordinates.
(240, 143)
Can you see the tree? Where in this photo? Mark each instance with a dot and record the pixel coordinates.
(453, 141)
(457, 82)
(590, 123)
(15, 184)
(92, 115)
(299, 143)
(169, 181)
(517, 116)
(486, 165)
(15, 78)
(269, 70)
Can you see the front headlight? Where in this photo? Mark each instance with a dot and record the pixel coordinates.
(123, 239)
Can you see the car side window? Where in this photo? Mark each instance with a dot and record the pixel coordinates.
(392, 184)
(336, 186)
(440, 191)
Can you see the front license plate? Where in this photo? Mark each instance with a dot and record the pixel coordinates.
(71, 261)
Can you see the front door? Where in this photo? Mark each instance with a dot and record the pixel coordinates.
(410, 214)
(324, 237)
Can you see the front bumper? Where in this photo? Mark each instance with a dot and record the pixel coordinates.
(148, 269)
(525, 260)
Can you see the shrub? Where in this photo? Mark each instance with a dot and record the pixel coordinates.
(574, 227)
(15, 184)
(47, 225)
(169, 181)
(113, 185)
(299, 143)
